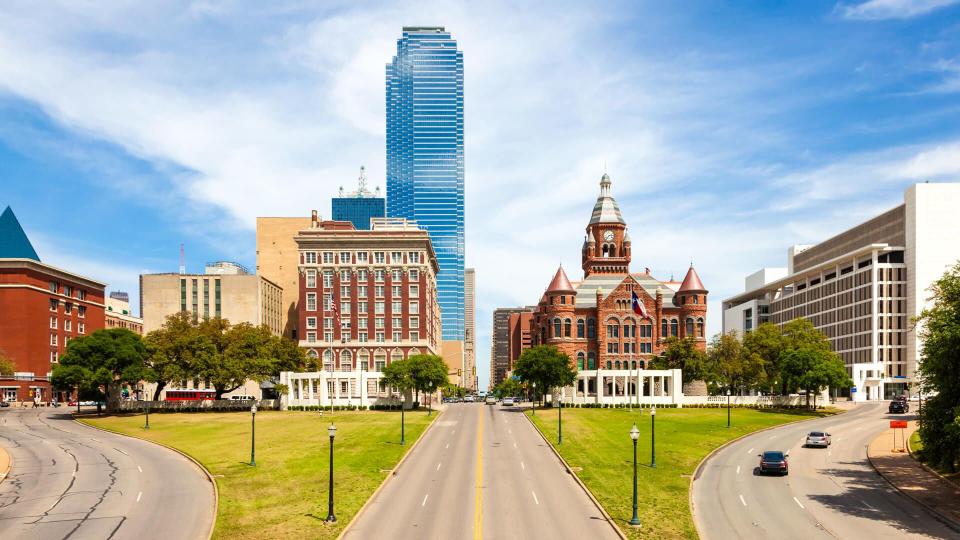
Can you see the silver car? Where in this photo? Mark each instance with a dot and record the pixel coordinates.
(507, 402)
(818, 438)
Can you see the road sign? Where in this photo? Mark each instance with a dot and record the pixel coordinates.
(898, 424)
(853, 390)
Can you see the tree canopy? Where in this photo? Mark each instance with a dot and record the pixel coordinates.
(684, 355)
(545, 365)
(106, 358)
(939, 330)
(509, 387)
(6, 364)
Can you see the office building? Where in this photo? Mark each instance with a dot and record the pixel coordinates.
(863, 287)
(224, 290)
(469, 330)
(360, 206)
(501, 359)
(41, 309)
(277, 262)
(425, 157)
(119, 315)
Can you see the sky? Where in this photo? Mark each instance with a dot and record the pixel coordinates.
(730, 130)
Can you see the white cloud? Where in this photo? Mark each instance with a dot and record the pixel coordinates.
(877, 10)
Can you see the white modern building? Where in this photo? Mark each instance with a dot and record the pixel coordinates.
(863, 287)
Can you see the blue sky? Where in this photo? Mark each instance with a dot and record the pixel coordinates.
(731, 131)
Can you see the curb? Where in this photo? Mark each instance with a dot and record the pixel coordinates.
(942, 518)
(927, 467)
(393, 472)
(696, 470)
(5, 472)
(566, 466)
(216, 491)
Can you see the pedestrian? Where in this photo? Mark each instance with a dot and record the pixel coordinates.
(36, 400)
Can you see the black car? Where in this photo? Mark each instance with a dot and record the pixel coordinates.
(898, 407)
(774, 462)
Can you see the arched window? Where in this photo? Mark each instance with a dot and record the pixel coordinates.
(618, 364)
(543, 335)
(689, 327)
(591, 360)
(566, 327)
(674, 327)
(663, 328)
(312, 353)
(613, 250)
(591, 329)
(379, 360)
(642, 364)
(327, 360)
(346, 361)
(608, 365)
(557, 330)
(606, 250)
(700, 327)
(413, 352)
(633, 365)
(579, 361)
(580, 328)
(363, 358)
(396, 355)
(696, 299)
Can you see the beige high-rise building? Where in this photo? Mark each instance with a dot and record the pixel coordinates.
(469, 329)
(277, 260)
(225, 290)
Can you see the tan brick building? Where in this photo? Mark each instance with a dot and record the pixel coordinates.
(614, 319)
(277, 261)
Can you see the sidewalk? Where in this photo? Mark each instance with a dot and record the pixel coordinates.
(911, 479)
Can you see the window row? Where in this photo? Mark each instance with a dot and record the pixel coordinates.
(364, 360)
(362, 336)
(362, 257)
(67, 325)
(67, 308)
(67, 290)
(379, 276)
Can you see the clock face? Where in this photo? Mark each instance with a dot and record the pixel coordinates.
(608, 236)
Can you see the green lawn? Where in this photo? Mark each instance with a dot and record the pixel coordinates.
(597, 445)
(285, 495)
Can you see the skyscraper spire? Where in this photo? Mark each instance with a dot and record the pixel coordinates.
(14, 243)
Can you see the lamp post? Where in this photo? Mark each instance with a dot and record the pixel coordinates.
(402, 399)
(332, 431)
(146, 425)
(728, 407)
(653, 436)
(533, 404)
(560, 421)
(253, 433)
(634, 435)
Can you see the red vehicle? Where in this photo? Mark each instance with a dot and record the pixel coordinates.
(190, 395)
(774, 462)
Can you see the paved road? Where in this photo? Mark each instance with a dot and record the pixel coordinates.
(523, 491)
(71, 481)
(829, 493)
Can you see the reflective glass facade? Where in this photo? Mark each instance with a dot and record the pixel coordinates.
(358, 210)
(424, 101)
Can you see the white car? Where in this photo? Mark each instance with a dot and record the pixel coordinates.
(468, 399)
(491, 400)
(817, 438)
(508, 402)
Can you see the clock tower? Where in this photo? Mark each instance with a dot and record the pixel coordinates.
(606, 247)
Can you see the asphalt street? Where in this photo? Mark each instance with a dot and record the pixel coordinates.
(829, 493)
(72, 481)
(481, 472)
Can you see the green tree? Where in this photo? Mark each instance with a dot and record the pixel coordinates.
(6, 364)
(176, 351)
(812, 368)
(509, 387)
(429, 372)
(939, 330)
(452, 390)
(767, 343)
(240, 353)
(106, 358)
(684, 355)
(397, 374)
(546, 366)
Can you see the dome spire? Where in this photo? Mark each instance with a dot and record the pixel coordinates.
(606, 210)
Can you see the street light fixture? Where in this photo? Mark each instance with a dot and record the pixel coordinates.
(728, 407)
(653, 436)
(533, 405)
(560, 420)
(146, 425)
(253, 433)
(634, 435)
(332, 431)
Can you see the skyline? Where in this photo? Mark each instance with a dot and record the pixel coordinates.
(808, 120)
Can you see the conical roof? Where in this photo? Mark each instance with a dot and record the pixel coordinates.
(606, 209)
(560, 282)
(14, 243)
(691, 282)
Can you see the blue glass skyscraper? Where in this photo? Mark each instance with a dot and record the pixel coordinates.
(424, 89)
(360, 206)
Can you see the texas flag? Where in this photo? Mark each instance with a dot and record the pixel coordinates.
(638, 306)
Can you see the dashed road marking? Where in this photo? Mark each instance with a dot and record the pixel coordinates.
(425, 497)
(121, 451)
(796, 500)
(535, 499)
(438, 465)
(742, 500)
(738, 469)
(514, 445)
(865, 503)
(139, 468)
(447, 446)
(140, 494)
(750, 451)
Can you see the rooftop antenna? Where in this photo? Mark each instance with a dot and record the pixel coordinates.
(183, 262)
(362, 180)
(340, 191)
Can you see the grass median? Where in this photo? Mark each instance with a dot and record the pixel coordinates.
(597, 445)
(285, 495)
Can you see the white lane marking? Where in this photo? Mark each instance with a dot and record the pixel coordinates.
(510, 431)
(522, 466)
(74, 474)
(829, 452)
(121, 451)
(750, 451)
(438, 465)
(535, 499)
(94, 440)
(743, 501)
(447, 446)
(425, 497)
(514, 445)
(796, 500)
(738, 469)
(140, 494)
(772, 437)
(139, 468)
(865, 503)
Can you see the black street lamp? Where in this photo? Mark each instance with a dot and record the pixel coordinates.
(332, 431)
(653, 437)
(253, 433)
(635, 434)
(560, 421)
(147, 424)
(533, 404)
(402, 421)
(728, 407)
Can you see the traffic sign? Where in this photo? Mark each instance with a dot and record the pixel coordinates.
(898, 424)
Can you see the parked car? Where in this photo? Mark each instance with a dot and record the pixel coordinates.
(468, 399)
(4, 403)
(242, 398)
(774, 462)
(898, 407)
(817, 438)
(490, 400)
(508, 402)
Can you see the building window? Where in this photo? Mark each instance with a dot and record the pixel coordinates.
(379, 275)
(591, 329)
(379, 323)
(396, 322)
(311, 301)
(81, 328)
(414, 291)
(362, 323)
(379, 257)
(379, 360)
(414, 275)
(67, 290)
(414, 322)
(699, 327)
(579, 361)
(362, 337)
(82, 294)
(327, 279)
(397, 336)
(344, 276)
(378, 291)
(54, 357)
(591, 361)
(67, 326)
(311, 279)
(53, 304)
(395, 291)
(53, 339)
(663, 328)
(396, 307)
(567, 324)
(362, 308)
(54, 286)
(689, 332)
(345, 257)
(310, 257)
(580, 328)
(414, 307)
(344, 291)
(396, 257)
(380, 337)
(608, 365)
(67, 307)
(414, 336)
(311, 322)
(413, 257)
(361, 257)
(674, 327)
(53, 323)
(311, 337)
(396, 275)
(362, 291)
(328, 302)
(344, 308)
(327, 257)
(557, 328)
